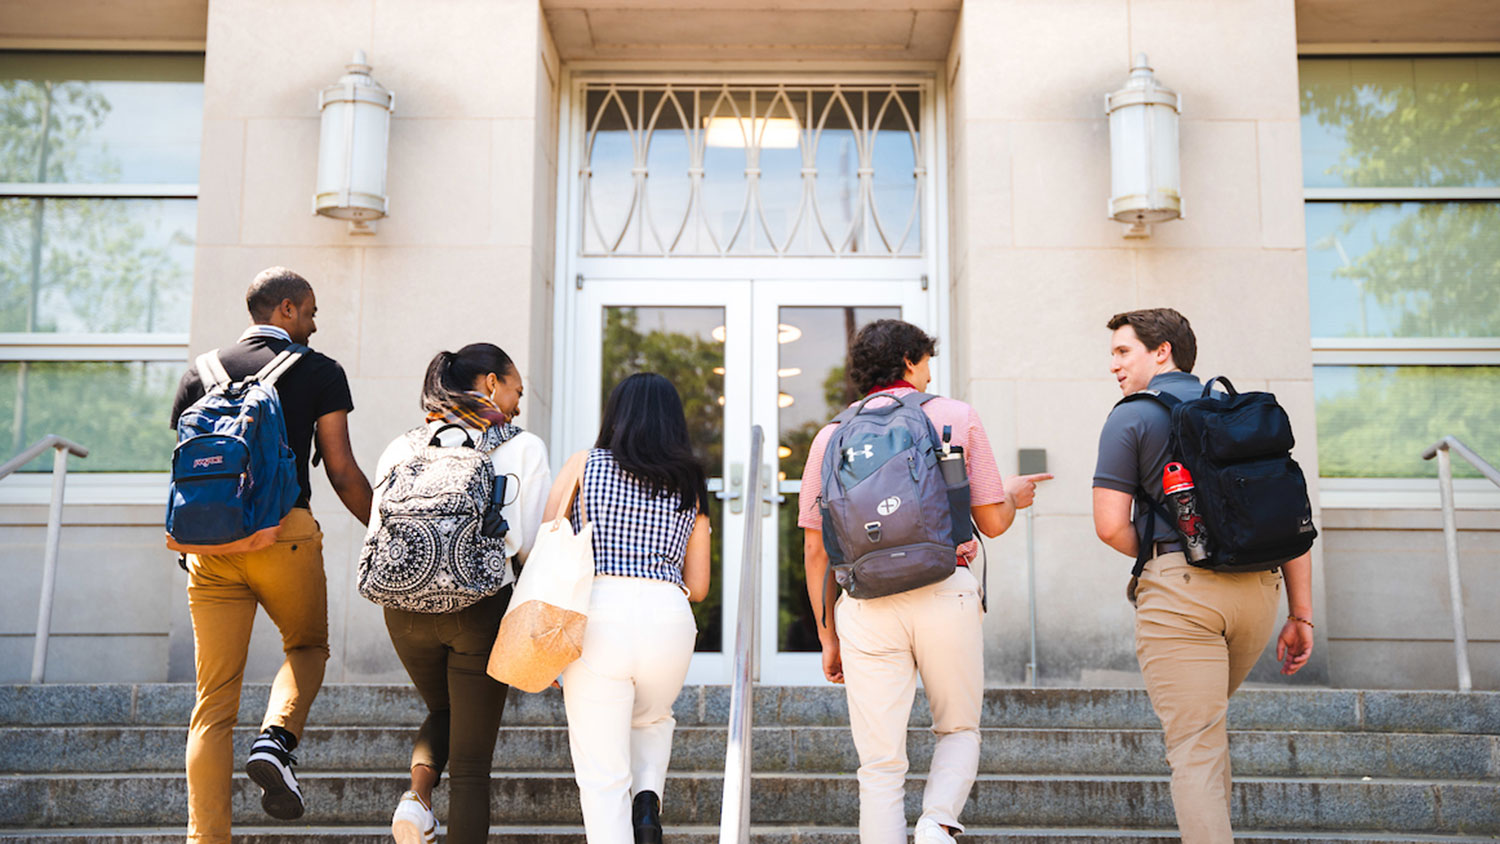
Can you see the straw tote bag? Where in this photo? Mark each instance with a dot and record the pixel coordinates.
(542, 631)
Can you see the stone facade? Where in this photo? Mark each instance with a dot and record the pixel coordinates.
(1035, 270)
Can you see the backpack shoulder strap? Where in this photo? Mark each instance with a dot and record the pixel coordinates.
(288, 358)
(1164, 399)
(211, 370)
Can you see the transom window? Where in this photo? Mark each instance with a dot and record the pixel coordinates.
(735, 169)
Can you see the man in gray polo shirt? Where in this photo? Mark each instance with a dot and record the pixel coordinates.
(1197, 632)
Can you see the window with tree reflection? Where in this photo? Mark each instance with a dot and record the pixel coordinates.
(99, 152)
(686, 346)
(1410, 264)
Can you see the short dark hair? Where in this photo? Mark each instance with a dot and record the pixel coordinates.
(271, 287)
(1155, 326)
(646, 432)
(881, 350)
(451, 374)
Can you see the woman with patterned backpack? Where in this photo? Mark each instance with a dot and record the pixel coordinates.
(643, 491)
(458, 504)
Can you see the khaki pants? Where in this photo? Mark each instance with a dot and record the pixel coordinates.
(934, 631)
(445, 655)
(1197, 634)
(223, 592)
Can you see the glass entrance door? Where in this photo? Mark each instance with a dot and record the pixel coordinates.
(741, 353)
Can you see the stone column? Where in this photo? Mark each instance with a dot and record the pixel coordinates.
(465, 255)
(1039, 268)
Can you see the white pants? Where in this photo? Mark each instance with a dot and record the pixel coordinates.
(619, 697)
(885, 642)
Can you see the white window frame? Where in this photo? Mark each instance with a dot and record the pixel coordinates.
(107, 488)
(1401, 493)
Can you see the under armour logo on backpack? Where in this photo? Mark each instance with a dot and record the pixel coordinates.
(851, 453)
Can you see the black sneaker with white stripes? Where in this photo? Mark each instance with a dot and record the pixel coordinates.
(270, 766)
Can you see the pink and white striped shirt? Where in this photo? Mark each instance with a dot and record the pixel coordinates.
(985, 486)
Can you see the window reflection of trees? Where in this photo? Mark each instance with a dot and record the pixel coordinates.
(797, 630)
(90, 266)
(694, 363)
(1432, 267)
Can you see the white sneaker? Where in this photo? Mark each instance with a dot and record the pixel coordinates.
(930, 831)
(413, 822)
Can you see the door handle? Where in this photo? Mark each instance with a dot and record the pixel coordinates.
(735, 494)
(766, 490)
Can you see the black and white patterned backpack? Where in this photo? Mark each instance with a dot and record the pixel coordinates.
(440, 544)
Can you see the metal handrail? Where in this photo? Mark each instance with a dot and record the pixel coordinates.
(1440, 450)
(734, 818)
(63, 447)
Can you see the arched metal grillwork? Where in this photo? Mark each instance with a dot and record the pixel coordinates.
(718, 170)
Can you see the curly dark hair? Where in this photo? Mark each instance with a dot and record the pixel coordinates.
(881, 351)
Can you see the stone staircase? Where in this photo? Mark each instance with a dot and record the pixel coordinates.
(103, 763)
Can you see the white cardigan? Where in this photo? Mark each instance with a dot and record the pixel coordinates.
(522, 457)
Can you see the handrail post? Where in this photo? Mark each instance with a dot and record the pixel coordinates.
(1031, 665)
(49, 563)
(1455, 583)
(734, 818)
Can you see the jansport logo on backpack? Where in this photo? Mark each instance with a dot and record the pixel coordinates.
(1250, 493)
(440, 544)
(890, 521)
(233, 475)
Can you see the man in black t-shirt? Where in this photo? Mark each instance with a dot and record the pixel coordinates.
(286, 578)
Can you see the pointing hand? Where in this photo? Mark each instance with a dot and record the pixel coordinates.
(1022, 488)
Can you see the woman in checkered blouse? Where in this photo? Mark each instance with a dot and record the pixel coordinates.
(644, 492)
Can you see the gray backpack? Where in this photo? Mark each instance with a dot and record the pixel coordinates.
(891, 522)
(441, 542)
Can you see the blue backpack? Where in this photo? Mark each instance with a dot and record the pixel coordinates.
(234, 476)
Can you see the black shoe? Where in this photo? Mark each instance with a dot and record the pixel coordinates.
(270, 766)
(645, 817)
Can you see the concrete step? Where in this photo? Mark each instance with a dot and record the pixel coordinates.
(793, 749)
(168, 704)
(710, 835)
(1028, 800)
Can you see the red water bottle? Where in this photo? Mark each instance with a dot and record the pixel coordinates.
(1177, 484)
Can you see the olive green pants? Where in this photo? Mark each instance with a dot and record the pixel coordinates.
(445, 655)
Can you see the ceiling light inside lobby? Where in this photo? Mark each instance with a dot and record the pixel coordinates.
(733, 132)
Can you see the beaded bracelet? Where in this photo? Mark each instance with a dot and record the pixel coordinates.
(1303, 620)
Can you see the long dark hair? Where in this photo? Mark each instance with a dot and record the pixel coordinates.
(646, 431)
(451, 374)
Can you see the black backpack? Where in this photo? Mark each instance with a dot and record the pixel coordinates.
(1251, 494)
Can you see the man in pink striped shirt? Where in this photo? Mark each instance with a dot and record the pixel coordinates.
(878, 646)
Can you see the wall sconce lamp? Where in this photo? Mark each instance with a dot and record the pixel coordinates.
(355, 133)
(1145, 179)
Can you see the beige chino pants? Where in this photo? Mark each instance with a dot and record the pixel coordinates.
(934, 631)
(223, 592)
(1197, 634)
